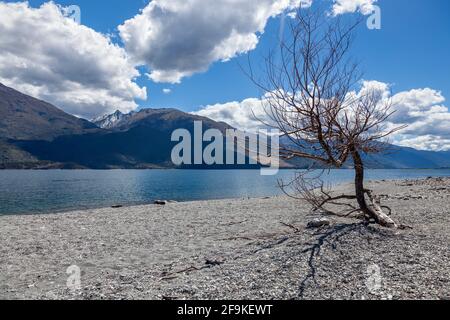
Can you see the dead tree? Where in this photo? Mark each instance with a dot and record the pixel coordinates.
(312, 97)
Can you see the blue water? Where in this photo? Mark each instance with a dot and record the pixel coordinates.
(23, 192)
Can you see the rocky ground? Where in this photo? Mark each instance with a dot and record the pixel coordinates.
(232, 249)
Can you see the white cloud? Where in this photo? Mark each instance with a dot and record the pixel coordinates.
(413, 104)
(245, 115)
(427, 118)
(167, 91)
(51, 57)
(422, 110)
(427, 142)
(178, 38)
(365, 7)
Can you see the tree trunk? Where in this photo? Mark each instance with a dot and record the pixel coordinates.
(375, 210)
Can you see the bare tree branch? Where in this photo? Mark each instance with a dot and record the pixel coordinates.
(311, 96)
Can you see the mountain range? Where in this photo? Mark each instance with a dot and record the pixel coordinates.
(37, 135)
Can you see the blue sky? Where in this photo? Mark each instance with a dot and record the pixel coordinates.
(410, 52)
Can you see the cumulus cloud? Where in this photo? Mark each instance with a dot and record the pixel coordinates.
(50, 56)
(417, 103)
(167, 91)
(422, 110)
(245, 115)
(178, 38)
(365, 7)
(427, 142)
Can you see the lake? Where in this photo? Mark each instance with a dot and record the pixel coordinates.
(24, 192)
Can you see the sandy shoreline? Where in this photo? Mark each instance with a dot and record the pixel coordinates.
(232, 249)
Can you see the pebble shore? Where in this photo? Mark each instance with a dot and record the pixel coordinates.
(233, 249)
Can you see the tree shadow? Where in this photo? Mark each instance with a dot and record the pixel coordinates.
(332, 236)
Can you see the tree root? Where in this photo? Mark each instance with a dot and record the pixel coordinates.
(374, 211)
(294, 228)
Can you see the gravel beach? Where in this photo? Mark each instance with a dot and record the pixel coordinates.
(233, 249)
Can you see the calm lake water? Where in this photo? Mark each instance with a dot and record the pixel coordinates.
(23, 192)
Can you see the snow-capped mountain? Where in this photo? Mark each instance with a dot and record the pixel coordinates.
(113, 120)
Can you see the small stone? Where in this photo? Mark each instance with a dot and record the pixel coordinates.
(160, 202)
(215, 262)
(318, 223)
